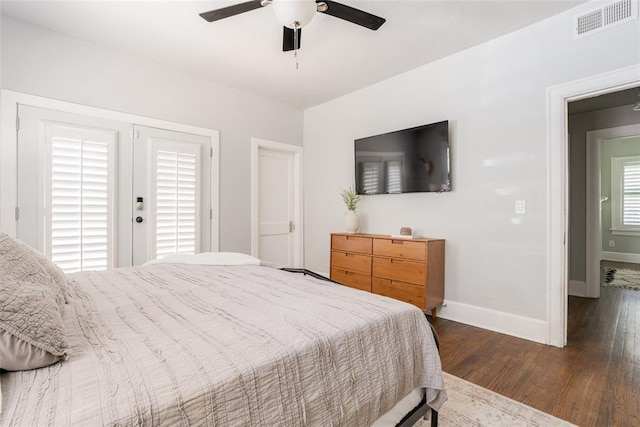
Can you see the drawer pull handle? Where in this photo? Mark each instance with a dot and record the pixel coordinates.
(397, 242)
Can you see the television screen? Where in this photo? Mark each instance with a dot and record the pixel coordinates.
(405, 161)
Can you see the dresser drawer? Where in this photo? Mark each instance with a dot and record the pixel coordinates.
(407, 292)
(351, 262)
(403, 271)
(351, 279)
(400, 248)
(361, 245)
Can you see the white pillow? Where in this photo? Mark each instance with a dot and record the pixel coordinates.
(32, 333)
(209, 258)
(32, 300)
(21, 261)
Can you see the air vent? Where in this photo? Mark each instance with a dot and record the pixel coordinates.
(604, 17)
(589, 22)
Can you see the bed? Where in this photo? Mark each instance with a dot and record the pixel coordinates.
(199, 341)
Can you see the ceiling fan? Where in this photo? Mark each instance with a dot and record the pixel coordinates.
(295, 14)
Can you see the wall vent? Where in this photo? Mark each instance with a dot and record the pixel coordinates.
(604, 17)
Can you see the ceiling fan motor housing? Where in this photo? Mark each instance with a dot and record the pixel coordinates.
(294, 13)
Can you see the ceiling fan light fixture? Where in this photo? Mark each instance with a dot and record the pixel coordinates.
(294, 13)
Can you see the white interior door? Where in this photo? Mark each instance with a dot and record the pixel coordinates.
(172, 196)
(73, 173)
(276, 203)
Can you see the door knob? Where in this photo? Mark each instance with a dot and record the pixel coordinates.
(139, 219)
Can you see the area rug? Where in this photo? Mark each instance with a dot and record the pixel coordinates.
(472, 405)
(621, 278)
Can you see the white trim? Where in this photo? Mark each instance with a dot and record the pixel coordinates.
(621, 257)
(9, 101)
(493, 320)
(577, 288)
(557, 146)
(593, 219)
(256, 145)
(623, 232)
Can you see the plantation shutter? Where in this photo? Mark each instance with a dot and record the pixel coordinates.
(394, 176)
(631, 194)
(79, 197)
(370, 177)
(177, 196)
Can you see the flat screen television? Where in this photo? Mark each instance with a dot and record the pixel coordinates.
(405, 161)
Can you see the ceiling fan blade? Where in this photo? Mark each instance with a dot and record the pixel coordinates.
(236, 9)
(353, 15)
(287, 39)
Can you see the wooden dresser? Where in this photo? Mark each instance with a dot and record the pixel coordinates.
(411, 270)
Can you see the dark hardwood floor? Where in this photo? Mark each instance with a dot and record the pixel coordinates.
(594, 381)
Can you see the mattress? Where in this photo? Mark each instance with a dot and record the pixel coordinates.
(178, 344)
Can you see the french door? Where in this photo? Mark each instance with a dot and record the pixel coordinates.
(171, 187)
(79, 180)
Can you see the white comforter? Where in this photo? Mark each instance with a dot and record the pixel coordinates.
(176, 344)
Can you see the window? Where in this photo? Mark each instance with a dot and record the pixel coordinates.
(625, 195)
(79, 197)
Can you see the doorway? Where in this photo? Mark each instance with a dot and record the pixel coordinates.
(604, 155)
(558, 172)
(612, 199)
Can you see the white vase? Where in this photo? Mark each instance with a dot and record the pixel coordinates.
(352, 221)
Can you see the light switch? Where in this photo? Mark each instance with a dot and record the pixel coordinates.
(521, 207)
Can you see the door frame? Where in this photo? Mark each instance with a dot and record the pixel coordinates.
(594, 218)
(558, 98)
(9, 101)
(256, 145)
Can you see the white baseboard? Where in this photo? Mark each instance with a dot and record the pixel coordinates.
(498, 321)
(577, 288)
(621, 257)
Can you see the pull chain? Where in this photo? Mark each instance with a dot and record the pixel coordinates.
(296, 25)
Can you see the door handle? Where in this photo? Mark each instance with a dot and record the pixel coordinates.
(139, 219)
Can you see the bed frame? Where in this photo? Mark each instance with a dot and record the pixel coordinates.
(419, 411)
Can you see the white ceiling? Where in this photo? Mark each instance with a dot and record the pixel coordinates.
(245, 51)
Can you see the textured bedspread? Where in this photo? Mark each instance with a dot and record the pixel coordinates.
(175, 344)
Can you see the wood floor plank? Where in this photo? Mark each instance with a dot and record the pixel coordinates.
(594, 381)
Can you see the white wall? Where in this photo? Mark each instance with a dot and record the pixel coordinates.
(495, 97)
(40, 62)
